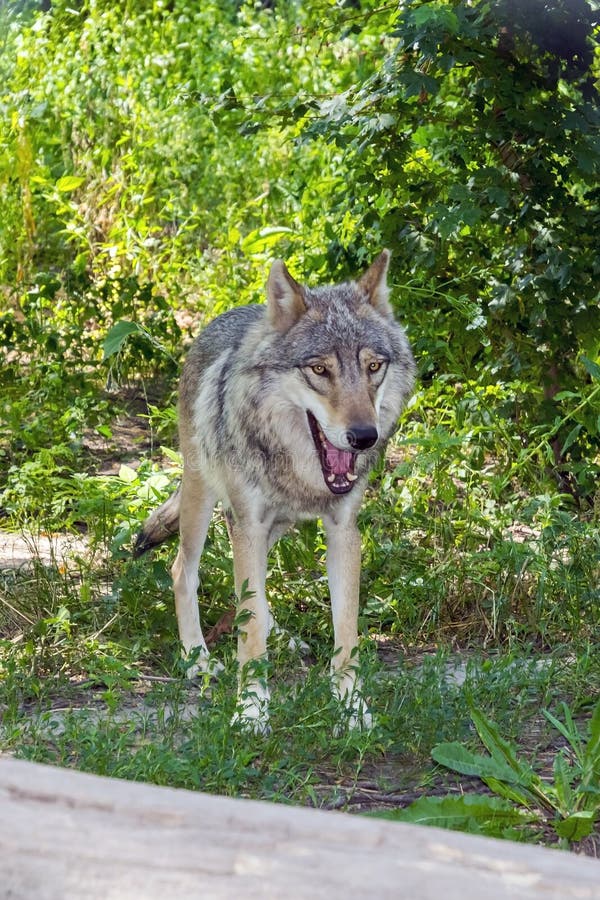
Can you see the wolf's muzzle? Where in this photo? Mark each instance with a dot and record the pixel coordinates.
(361, 437)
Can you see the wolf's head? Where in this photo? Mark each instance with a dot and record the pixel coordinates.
(347, 362)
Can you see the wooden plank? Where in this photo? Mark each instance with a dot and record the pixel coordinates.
(68, 836)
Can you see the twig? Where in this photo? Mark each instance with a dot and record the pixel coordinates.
(16, 611)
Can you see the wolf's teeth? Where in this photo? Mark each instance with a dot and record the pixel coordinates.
(331, 478)
(351, 476)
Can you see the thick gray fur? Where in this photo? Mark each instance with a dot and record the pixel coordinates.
(248, 385)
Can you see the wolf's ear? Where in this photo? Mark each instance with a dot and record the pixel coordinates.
(374, 284)
(285, 297)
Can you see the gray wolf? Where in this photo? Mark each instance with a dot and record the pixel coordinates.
(284, 408)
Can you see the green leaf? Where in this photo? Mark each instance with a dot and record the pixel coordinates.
(587, 159)
(594, 728)
(261, 239)
(435, 15)
(571, 438)
(454, 756)
(127, 474)
(117, 336)
(592, 367)
(567, 395)
(501, 751)
(568, 730)
(562, 782)
(69, 183)
(415, 83)
(173, 455)
(511, 791)
(467, 812)
(154, 486)
(590, 762)
(576, 826)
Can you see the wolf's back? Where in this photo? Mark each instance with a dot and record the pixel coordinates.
(223, 335)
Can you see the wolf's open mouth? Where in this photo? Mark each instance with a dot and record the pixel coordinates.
(337, 465)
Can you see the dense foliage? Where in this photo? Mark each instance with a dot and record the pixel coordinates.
(155, 156)
(477, 156)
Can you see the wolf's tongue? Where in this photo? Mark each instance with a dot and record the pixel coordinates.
(338, 461)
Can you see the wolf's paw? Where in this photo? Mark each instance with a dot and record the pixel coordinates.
(252, 713)
(203, 664)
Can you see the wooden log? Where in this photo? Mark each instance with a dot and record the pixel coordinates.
(71, 836)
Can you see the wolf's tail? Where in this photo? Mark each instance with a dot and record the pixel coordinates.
(160, 525)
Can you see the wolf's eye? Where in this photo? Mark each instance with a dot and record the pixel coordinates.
(375, 366)
(319, 370)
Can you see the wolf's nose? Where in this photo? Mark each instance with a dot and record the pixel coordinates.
(361, 437)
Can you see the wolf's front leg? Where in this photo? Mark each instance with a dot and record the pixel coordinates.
(249, 542)
(196, 506)
(343, 572)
